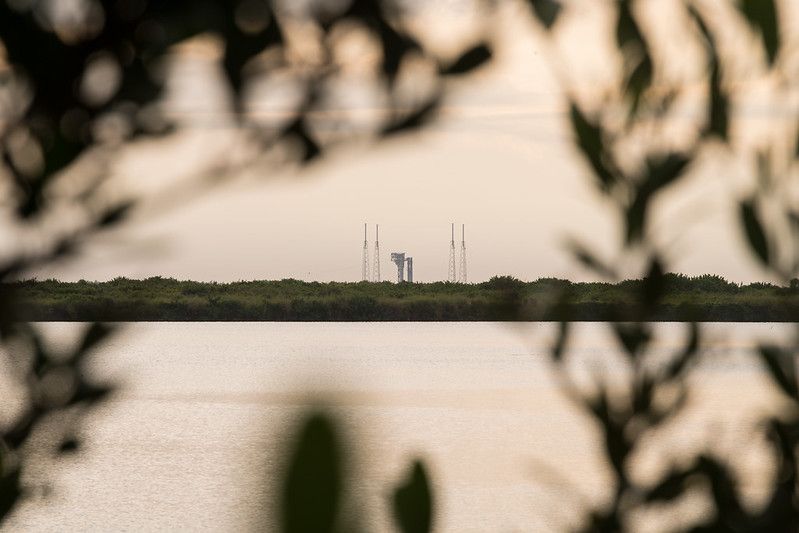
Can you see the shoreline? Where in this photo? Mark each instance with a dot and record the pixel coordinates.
(501, 299)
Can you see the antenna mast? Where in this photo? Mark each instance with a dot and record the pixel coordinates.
(376, 258)
(365, 259)
(451, 275)
(463, 254)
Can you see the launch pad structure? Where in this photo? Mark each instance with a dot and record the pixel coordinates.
(399, 259)
(370, 270)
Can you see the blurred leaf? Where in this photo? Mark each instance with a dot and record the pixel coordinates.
(718, 113)
(671, 487)
(678, 365)
(41, 356)
(241, 46)
(64, 247)
(589, 260)
(762, 16)
(395, 47)
(560, 344)
(395, 44)
(796, 147)
(643, 394)
(653, 284)
(94, 335)
(785, 436)
(662, 411)
(10, 491)
(313, 485)
(8, 308)
(469, 61)
(660, 172)
(664, 103)
(415, 120)
(90, 393)
(633, 336)
(590, 142)
(31, 199)
(115, 214)
(765, 176)
(697, 17)
(627, 31)
(637, 58)
(547, 12)
(754, 230)
(22, 428)
(719, 121)
(617, 446)
(639, 81)
(723, 489)
(413, 502)
(298, 130)
(69, 445)
(782, 368)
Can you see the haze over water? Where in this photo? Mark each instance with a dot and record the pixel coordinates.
(193, 440)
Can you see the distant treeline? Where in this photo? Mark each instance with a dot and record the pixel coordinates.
(703, 298)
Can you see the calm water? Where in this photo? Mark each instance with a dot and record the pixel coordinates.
(193, 441)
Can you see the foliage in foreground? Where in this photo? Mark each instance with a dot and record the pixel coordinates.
(53, 129)
(81, 81)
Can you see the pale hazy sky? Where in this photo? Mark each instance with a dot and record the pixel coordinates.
(499, 160)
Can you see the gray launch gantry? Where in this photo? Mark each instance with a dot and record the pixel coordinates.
(399, 259)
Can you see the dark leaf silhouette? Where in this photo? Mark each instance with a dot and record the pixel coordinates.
(589, 260)
(243, 44)
(762, 15)
(755, 233)
(309, 148)
(591, 144)
(313, 484)
(469, 61)
(91, 393)
(10, 491)
(782, 369)
(633, 337)
(115, 214)
(723, 489)
(413, 502)
(718, 106)
(686, 355)
(560, 344)
(643, 395)
(654, 283)
(96, 334)
(672, 486)
(70, 445)
(660, 172)
(616, 443)
(639, 81)
(633, 46)
(627, 30)
(718, 123)
(547, 11)
(414, 120)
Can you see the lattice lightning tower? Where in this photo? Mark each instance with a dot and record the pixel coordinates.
(365, 259)
(451, 275)
(462, 278)
(376, 258)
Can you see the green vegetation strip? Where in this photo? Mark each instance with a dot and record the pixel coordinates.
(703, 298)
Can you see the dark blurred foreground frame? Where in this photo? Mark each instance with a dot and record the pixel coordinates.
(80, 83)
(637, 107)
(51, 128)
